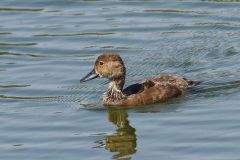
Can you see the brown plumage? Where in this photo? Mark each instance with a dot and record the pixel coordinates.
(158, 89)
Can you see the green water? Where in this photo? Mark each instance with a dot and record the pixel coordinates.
(46, 46)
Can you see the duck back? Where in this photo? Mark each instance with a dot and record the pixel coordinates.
(157, 89)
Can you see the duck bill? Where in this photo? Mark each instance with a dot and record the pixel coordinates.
(89, 76)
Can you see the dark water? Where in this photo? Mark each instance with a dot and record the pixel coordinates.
(46, 46)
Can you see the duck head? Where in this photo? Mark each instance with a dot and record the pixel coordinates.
(108, 65)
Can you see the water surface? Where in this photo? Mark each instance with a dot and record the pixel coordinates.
(46, 46)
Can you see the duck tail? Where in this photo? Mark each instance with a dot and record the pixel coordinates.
(192, 83)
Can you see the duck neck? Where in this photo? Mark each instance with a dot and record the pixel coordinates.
(117, 84)
(114, 91)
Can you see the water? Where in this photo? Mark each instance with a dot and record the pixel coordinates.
(46, 46)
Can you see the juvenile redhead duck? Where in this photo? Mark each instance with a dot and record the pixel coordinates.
(152, 90)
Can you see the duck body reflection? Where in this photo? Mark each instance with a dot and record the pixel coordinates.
(124, 141)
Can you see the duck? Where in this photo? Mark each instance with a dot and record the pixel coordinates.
(148, 91)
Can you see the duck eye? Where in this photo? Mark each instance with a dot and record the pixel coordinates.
(101, 62)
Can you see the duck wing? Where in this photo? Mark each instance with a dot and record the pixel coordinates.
(138, 87)
(158, 93)
(133, 89)
(180, 82)
(156, 90)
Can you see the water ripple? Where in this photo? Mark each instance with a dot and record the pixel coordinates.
(22, 9)
(14, 86)
(5, 33)
(74, 34)
(21, 54)
(17, 44)
(177, 11)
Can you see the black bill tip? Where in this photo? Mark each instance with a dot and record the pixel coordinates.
(89, 76)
